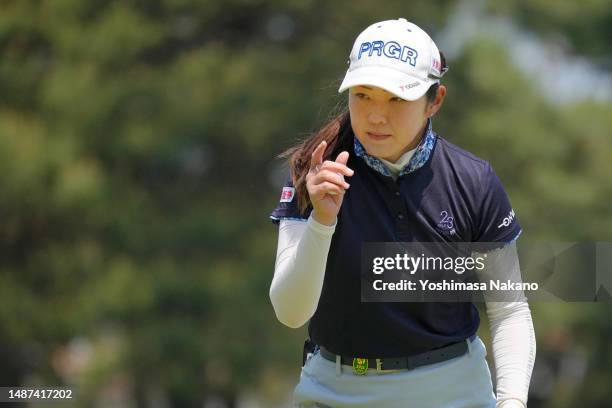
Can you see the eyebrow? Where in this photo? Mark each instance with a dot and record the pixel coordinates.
(366, 87)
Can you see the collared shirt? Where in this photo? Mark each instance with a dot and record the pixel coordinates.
(444, 194)
(419, 156)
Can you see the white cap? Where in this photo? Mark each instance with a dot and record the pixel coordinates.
(397, 56)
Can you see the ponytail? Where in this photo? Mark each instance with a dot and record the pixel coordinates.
(337, 133)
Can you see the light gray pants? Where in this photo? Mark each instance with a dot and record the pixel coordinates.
(462, 382)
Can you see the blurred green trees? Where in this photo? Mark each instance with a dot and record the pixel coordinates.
(137, 171)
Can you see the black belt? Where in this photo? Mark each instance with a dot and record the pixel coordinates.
(361, 365)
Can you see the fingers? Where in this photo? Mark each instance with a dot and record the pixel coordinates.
(316, 161)
(342, 158)
(331, 177)
(327, 187)
(317, 155)
(327, 177)
(337, 168)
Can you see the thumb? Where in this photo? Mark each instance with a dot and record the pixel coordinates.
(342, 158)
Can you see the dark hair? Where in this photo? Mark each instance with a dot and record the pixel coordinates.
(432, 92)
(337, 133)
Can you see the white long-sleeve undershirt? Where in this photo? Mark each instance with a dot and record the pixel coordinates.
(301, 259)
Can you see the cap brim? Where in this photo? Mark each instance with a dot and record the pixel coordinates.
(405, 86)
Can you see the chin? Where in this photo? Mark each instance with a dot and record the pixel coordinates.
(379, 153)
(376, 149)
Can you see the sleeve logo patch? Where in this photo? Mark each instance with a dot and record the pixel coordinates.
(287, 194)
(507, 221)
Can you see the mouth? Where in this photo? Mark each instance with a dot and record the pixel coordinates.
(378, 136)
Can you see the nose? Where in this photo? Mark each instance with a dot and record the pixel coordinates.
(377, 118)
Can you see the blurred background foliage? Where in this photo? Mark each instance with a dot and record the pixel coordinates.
(137, 171)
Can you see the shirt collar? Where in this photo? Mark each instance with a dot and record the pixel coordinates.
(419, 158)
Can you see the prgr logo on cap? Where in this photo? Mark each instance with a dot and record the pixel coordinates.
(287, 194)
(390, 49)
(395, 55)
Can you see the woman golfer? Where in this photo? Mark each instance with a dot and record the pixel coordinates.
(379, 173)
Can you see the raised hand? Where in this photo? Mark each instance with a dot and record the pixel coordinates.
(326, 185)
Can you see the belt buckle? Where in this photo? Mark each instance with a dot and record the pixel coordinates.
(360, 365)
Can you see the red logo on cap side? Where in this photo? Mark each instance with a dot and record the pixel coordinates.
(437, 65)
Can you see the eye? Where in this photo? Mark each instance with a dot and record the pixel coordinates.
(361, 95)
(397, 99)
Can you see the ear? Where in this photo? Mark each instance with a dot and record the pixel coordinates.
(434, 107)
